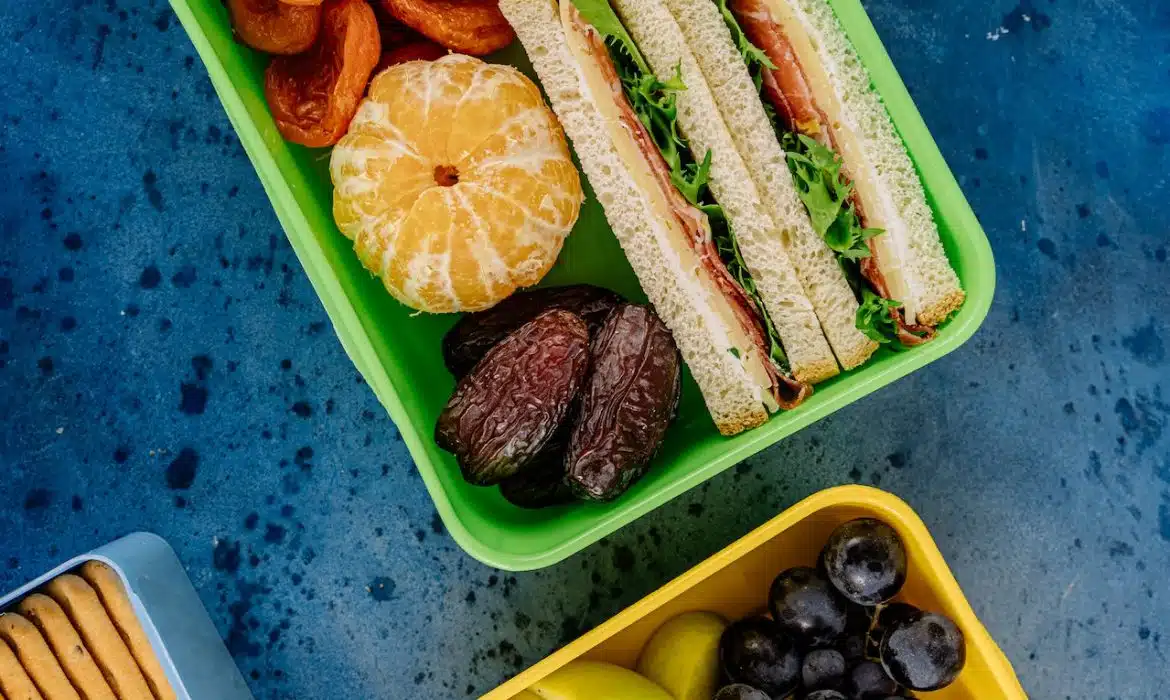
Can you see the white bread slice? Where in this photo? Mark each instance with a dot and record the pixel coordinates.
(733, 396)
(739, 102)
(762, 242)
(885, 177)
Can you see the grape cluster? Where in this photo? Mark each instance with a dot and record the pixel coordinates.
(834, 633)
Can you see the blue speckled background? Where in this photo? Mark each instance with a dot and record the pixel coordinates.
(164, 365)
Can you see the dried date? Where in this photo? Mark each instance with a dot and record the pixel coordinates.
(541, 486)
(509, 409)
(627, 404)
(475, 334)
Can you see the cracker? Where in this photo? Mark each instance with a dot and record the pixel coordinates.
(108, 585)
(36, 657)
(14, 681)
(85, 610)
(71, 653)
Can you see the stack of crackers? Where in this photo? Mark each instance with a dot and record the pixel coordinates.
(78, 639)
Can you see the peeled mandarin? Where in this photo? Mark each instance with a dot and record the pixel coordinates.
(455, 183)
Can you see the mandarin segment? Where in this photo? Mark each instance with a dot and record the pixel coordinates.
(455, 183)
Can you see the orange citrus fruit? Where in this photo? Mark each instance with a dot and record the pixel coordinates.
(455, 183)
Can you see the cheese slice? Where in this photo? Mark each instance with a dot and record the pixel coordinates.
(712, 304)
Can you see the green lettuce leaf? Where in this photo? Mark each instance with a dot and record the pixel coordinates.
(816, 170)
(874, 320)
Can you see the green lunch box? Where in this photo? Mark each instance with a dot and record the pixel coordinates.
(398, 352)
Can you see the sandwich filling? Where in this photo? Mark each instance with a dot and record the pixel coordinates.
(846, 208)
(644, 108)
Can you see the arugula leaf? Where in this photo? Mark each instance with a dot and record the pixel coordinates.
(757, 61)
(874, 320)
(816, 170)
(601, 16)
(692, 180)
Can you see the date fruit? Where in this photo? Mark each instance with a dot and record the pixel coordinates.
(541, 486)
(511, 406)
(314, 95)
(475, 334)
(627, 404)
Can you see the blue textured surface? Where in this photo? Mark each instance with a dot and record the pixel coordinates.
(164, 365)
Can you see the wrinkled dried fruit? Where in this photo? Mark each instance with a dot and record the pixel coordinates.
(418, 50)
(314, 95)
(541, 486)
(475, 27)
(627, 404)
(505, 413)
(475, 334)
(303, 3)
(274, 26)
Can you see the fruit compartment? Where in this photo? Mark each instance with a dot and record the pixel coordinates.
(734, 583)
(398, 353)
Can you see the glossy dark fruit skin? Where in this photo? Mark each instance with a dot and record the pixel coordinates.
(808, 607)
(852, 647)
(511, 406)
(823, 669)
(827, 694)
(627, 404)
(893, 613)
(756, 651)
(540, 486)
(866, 560)
(739, 691)
(925, 651)
(869, 681)
(470, 339)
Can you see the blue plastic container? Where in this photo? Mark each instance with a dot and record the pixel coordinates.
(180, 630)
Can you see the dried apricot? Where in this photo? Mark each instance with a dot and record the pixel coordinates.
(303, 3)
(276, 26)
(475, 27)
(418, 50)
(314, 95)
